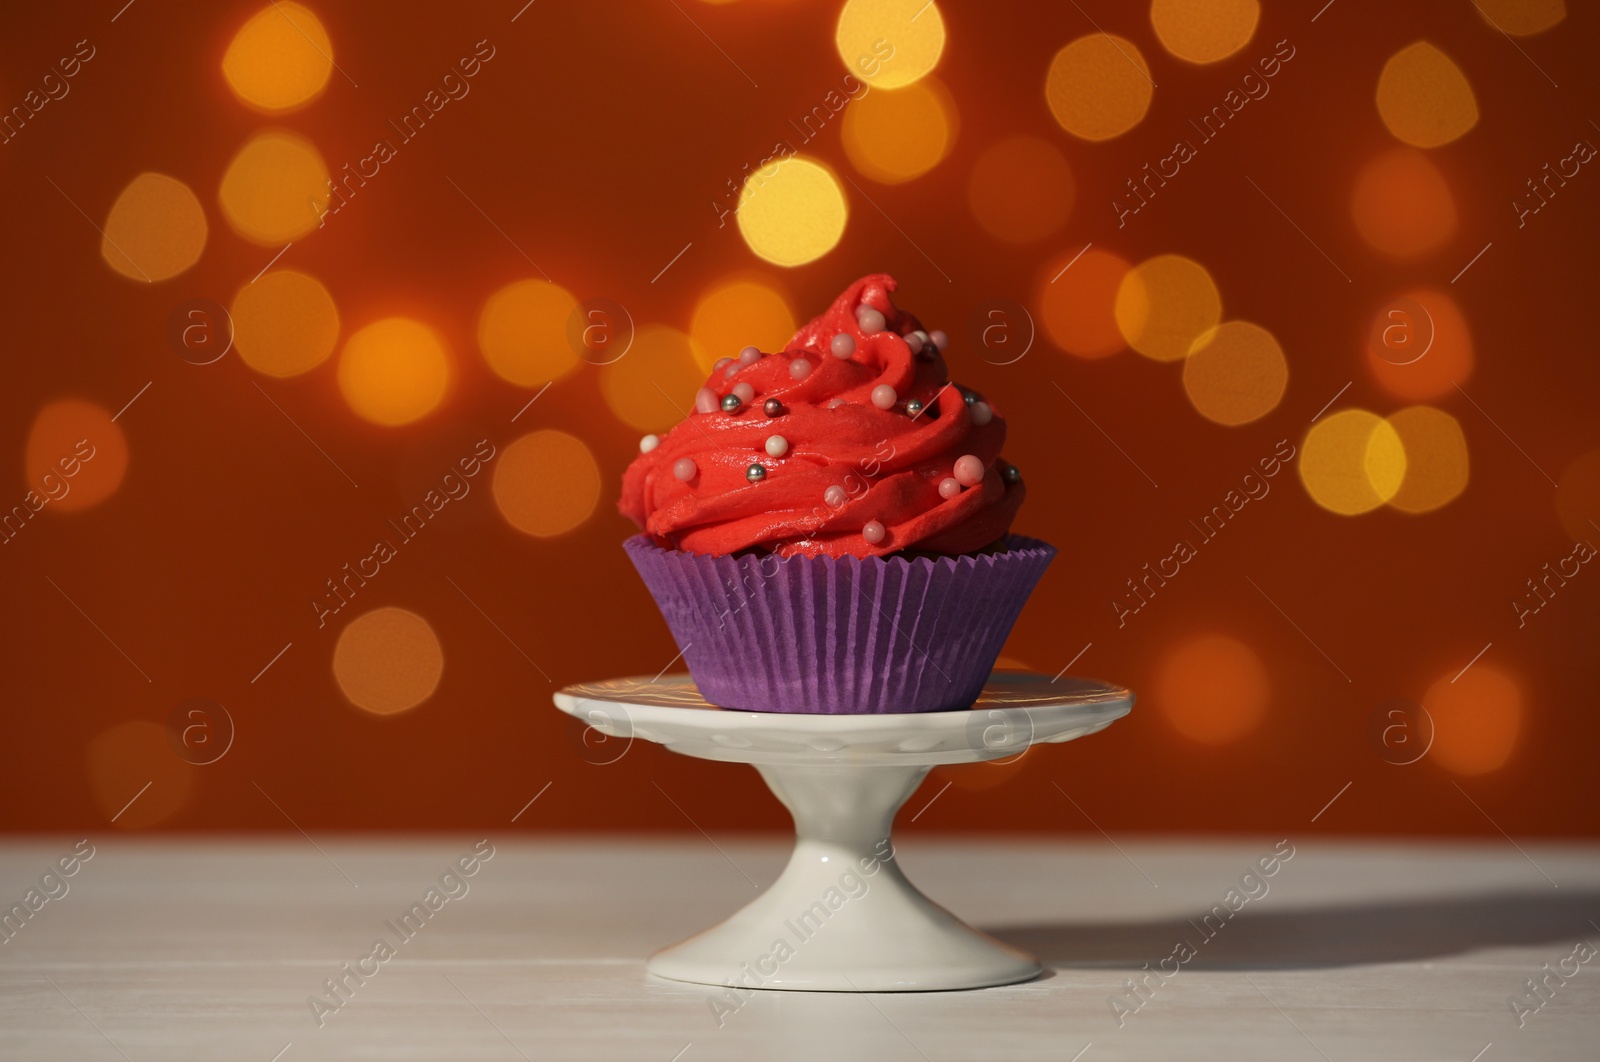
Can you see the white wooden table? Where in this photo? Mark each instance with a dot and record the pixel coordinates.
(209, 949)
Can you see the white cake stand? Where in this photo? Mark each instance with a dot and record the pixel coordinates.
(842, 917)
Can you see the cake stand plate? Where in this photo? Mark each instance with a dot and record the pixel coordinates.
(843, 917)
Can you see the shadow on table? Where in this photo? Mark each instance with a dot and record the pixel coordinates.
(1391, 931)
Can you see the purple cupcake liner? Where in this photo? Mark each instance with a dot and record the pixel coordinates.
(837, 636)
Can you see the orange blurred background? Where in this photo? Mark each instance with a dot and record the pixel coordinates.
(1191, 250)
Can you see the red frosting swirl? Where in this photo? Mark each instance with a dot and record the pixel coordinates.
(887, 463)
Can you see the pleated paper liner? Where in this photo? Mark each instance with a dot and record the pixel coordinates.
(846, 635)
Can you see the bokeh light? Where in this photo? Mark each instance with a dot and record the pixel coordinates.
(155, 229)
(1402, 205)
(279, 59)
(1578, 497)
(275, 189)
(889, 43)
(1099, 87)
(522, 332)
(895, 136)
(1212, 689)
(792, 211)
(284, 323)
(76, 456)
(546, 483)
(394, 371)
(387, 660)
(1236, 374)
(1204, 31)
(1352, 462)
(1021, 189)
(1424, 98)
(1521, 18)
(1077, 302)
(1476, 719)
(1436, 459)
(1419, 347)
(1166, 303)
(738, 313)
(653, 388)
(135, 761)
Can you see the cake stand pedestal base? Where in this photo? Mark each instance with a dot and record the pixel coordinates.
(842, 917)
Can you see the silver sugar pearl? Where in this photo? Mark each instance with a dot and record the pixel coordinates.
(772, 408)
(731, 403)
(914, 406)
(967, 396)
(1013, 474)
(755, 473)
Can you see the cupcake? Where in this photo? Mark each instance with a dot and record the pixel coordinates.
(829, 530)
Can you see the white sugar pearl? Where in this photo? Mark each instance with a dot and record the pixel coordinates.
(870, 320)
(834, 496)
(745, 392)
(949, 488)
(873, 532)
(835, 403)
(777, 446)
(799, 369)
(969, 470)
(648, 443)
(749, 355)
(722, 363)
(914, 343)
(843, 345)
(705, 401)
(939, 339)
(684, 468)
(981, 413)
(922, 337)
(883, 396)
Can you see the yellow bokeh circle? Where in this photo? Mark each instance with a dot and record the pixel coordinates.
(155, 229)
(1165, 304)
(653, 388)
(738, 313)
(284, 323)
(281, 58)
(522, 332)
(895, 136)
(1424, 98)
(889, 43)
(546, 483)
(1436, 459)
(1204, 31)
(136, 776)
(792, 211)
(394, 371)
(1099, 86)
(1236, 374)
(1352, 462)
(275, 189)
(387, 661)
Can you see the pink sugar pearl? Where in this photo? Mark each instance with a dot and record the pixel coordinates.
(834, 496)
(981, 413)
(684, 468)
(745, 392)
(749, 355)
(799, 369)
(870, 320)
(705, 401)
(883, 396)
(969, 471)
(843, 345)
(873, 532)
(722, 363)
(949, 488)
